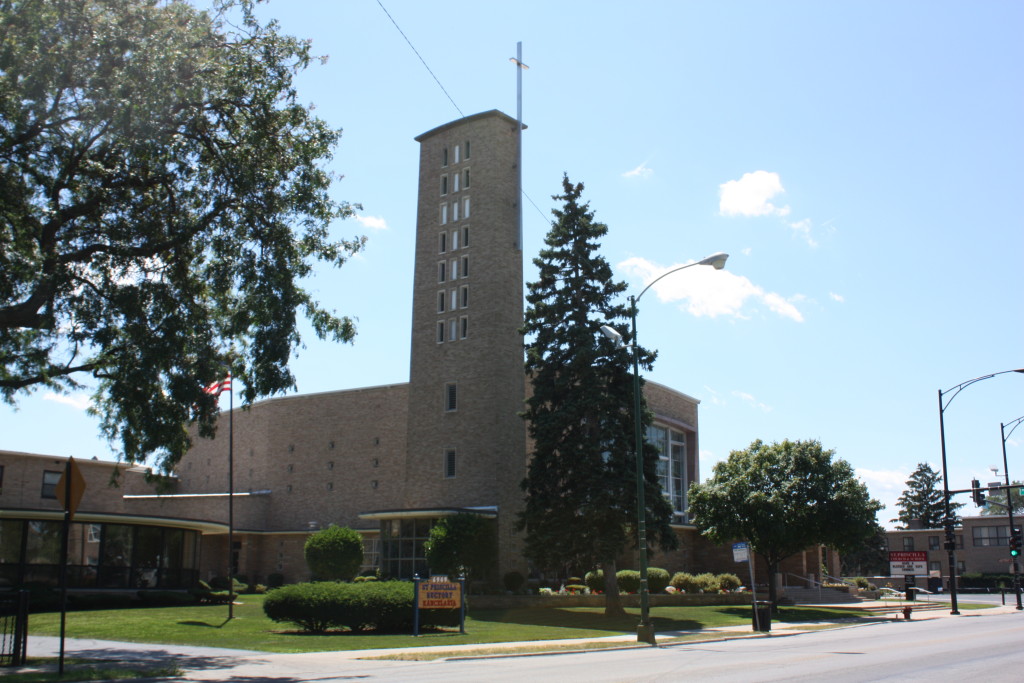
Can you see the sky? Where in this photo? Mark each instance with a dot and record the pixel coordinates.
(862, 162)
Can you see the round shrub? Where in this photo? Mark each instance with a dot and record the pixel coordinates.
(657, 579)
(729, 582)
(594, 580)
(707, 582)
(685, 582)
(628, 580)
(862, 583)
(334, 553)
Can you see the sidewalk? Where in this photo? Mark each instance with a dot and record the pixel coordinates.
(220, 664)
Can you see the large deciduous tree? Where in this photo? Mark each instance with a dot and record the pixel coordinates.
(580, 504)
(922, 500)
(783, 498)
(162, 196)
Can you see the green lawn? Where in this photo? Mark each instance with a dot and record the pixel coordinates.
(251, 630)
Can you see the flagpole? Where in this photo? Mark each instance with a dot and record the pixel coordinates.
(231, 498)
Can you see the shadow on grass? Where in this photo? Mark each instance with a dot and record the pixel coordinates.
(568, 618)
(205, 623)
(800, 614)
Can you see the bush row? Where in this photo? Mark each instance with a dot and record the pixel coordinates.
(385, 606)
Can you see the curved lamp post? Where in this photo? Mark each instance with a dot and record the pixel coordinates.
(1009, 501)
(644, 630)
(948, 521)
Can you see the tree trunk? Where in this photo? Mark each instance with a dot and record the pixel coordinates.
(612, 602)
(773, 596)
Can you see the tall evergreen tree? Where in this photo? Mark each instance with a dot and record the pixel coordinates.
(922, 500)
(580, 507)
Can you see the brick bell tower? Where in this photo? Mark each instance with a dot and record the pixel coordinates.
(466, 441)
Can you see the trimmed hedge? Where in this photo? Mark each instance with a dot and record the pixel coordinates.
(657, 579)
(628, 580)
(317, 607)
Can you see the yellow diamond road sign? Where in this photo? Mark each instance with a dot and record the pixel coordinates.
(70, 488)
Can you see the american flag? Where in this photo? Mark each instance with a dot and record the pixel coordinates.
(219, 386)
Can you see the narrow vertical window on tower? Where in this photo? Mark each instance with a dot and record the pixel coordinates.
(455, 210)
(449, 463)
(444, 156)
(441, 271)
(444, 214)
(454, 273)
(467, 149)
(440, 302)
(444, 185)
(465, 178)
(440, 332)
(451, 395)
(465, 266)
(455, 299)
(455, 240)
(442, 245)
(465, 296)
(456, 154)
(465, 237)
(455, 181)
(453, 328)
(463, 327)
(465, 207)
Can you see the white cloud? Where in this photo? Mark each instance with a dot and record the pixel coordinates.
(749, 195)
(705, 291)
(708, 457)
(372, 222)
(836, 297)
(715, 399)
(76, 401)
(749, 399)
(641, 171)
(803, 229)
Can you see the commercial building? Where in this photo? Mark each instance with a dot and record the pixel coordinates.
(982, 546)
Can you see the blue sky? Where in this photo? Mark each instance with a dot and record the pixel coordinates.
(860, 161)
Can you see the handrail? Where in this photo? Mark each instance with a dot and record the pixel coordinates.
(836, 579)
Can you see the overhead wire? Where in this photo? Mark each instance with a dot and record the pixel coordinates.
(440, 85)
(425, 65)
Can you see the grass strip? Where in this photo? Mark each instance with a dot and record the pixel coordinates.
(208, 626)
(44, 670)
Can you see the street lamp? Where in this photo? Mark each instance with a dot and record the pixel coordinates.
(1009, 503)
(644, 630)
(948, 522)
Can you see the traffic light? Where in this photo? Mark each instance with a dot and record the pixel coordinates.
(977, 493)
(1015, 541)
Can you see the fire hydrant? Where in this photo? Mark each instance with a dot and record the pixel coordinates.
(906, 612)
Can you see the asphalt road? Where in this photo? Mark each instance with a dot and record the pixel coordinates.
(983, 648)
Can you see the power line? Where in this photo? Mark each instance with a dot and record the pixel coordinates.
(421, 58)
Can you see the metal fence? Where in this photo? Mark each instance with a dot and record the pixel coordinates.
(13, 627)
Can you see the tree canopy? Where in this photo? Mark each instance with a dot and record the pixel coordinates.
(783, 498)
(922, 500)
(580, 508)
(162, 196)
(997, 501)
